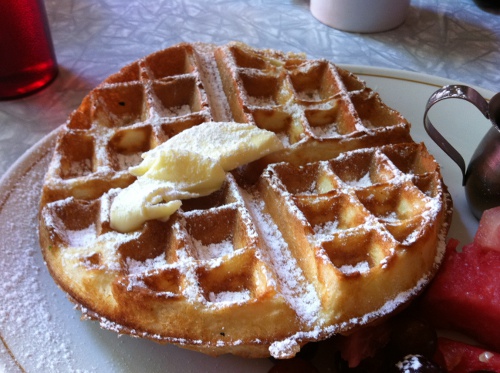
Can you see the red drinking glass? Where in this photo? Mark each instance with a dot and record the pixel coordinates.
(27, 59)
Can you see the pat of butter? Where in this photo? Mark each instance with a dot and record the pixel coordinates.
(231, 144)
(189, 165)
(173, 175)
(183, 169)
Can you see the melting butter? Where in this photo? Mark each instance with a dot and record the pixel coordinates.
(189, 165)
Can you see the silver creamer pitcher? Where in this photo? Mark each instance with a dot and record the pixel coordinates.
(482, 177)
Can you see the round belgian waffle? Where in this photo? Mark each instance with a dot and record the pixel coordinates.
(339, 228)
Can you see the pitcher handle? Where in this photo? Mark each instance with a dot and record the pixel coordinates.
(453, 91)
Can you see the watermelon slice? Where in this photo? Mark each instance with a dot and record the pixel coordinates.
(457, 357)
(465, 295)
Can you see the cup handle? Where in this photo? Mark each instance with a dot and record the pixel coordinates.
(453, 91)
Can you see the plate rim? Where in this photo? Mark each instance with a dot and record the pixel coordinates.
(410, 76)
(25, 162)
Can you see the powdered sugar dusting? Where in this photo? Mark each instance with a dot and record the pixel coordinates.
(283, 347)
(330, 130)
(177, 111)
(230, 296)
(125, 161)
(298, 292)
(326, 230)
(213, 250)
(361, 267)
(82, 238)
(363, 181)
(24, 311)
(139, 267)
(312, 95)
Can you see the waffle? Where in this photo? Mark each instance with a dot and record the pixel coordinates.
(340, 227)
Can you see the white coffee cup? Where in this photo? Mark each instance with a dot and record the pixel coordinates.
(361, 15)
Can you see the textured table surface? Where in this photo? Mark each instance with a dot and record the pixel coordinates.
(452, 39)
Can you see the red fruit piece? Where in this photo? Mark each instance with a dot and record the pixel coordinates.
(363, 343)
(457, 357)
(488, 233)
(465, 295)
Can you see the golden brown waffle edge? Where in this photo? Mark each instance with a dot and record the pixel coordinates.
(342, 227)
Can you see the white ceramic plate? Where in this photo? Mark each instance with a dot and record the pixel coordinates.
(40, 330)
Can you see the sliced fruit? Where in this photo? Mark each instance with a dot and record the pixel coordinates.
(488, 233)
(465, 295)
(458, 357)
